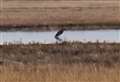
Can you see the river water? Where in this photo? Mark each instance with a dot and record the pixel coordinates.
(48, 37)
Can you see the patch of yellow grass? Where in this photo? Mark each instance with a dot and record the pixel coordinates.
(58, 73)
(59, 12)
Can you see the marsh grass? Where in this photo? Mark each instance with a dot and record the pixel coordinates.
(46, 14)
(65, 62)
(66, 53)
(58, 73)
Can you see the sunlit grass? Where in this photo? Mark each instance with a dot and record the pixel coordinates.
(58, 73)
(65, 62)
(42, 15)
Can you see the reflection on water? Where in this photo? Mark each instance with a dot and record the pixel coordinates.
(48, 37)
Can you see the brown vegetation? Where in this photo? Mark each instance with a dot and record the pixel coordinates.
(66, 62)
(50, 13)
(58, 73)
(107, 54)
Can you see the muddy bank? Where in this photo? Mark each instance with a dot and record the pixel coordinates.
(56, 27)
(65, 53)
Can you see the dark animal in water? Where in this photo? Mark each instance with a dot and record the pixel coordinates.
(58, 34)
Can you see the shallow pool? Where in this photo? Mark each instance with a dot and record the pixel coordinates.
(48, 37)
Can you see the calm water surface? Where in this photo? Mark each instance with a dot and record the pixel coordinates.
(48, 37)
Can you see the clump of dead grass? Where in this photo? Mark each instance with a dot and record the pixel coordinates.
(58, 73)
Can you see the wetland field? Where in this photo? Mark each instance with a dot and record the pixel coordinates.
(53, 14)
(69, 61)
(65, 62)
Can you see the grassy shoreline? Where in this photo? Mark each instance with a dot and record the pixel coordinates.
(51, 15)
(67, 62)
(67, 53)
(59, 26)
